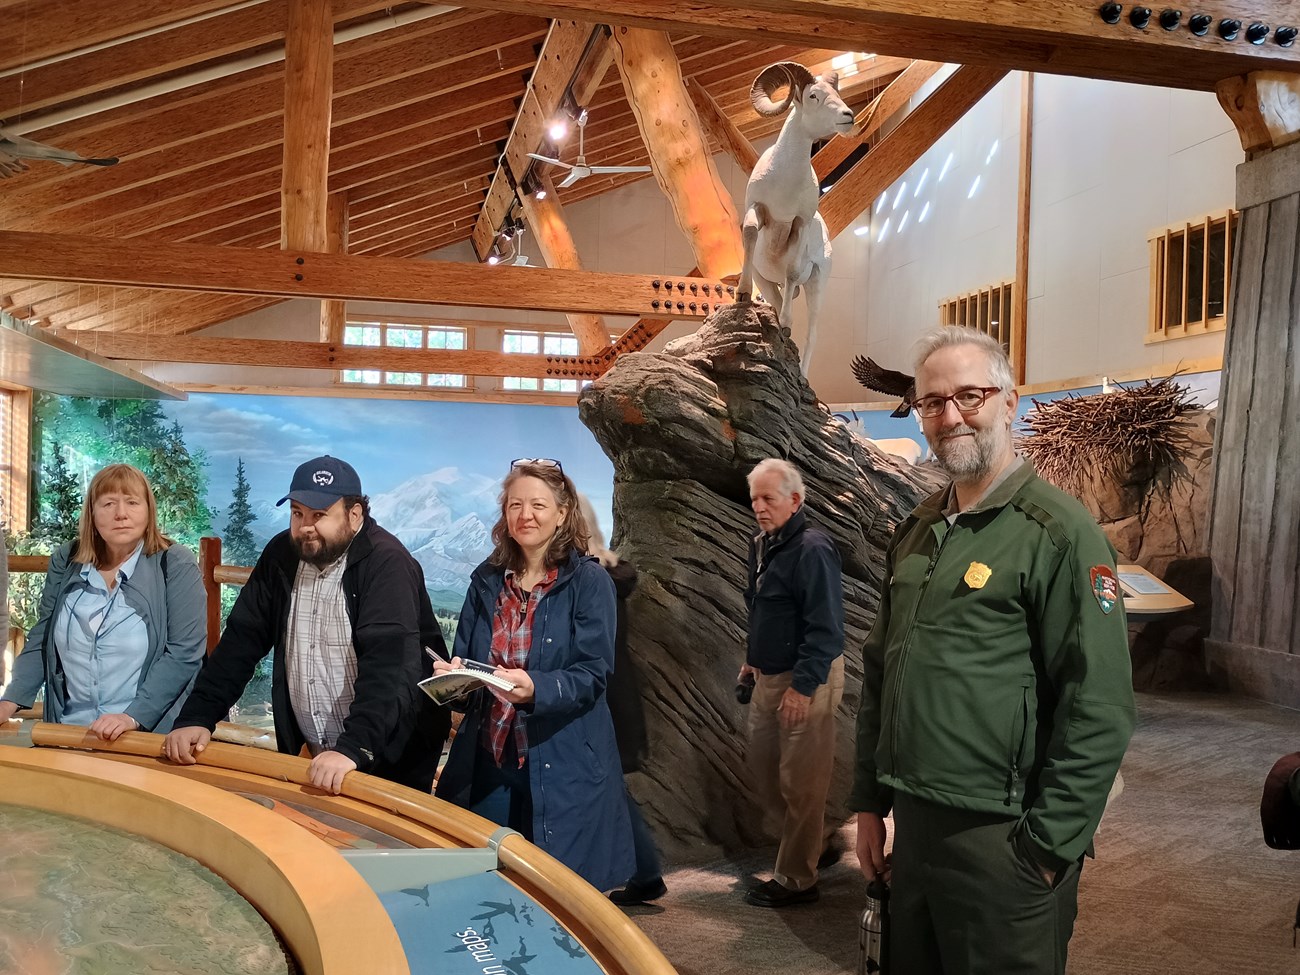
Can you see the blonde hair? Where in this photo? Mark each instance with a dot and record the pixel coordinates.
(115, 479)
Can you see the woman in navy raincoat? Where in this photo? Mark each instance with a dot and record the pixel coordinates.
(542, 758)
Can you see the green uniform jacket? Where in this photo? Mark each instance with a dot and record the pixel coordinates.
(1007, 694)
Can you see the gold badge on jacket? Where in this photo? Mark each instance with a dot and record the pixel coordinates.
(977, 575)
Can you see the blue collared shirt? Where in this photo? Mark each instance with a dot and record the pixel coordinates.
(102, 643)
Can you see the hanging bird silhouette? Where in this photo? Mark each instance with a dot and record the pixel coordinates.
(875, 377)
(564, 941)
(495, 909)
(14, 149)
(517, 964)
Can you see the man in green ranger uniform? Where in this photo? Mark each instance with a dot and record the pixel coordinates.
(997, 695)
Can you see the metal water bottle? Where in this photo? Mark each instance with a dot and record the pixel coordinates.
(873, 931)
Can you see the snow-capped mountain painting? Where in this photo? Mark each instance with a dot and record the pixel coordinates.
(432, 470)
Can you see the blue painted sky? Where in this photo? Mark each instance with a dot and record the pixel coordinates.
(387, 441)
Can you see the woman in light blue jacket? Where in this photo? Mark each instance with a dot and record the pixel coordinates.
(121, 628)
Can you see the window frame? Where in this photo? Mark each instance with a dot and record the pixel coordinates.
(1173, 244)
(425, 326)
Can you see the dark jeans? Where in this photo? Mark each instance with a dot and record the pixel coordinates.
(648, 868)
(966, 901)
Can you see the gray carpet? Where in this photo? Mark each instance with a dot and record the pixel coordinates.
(1183, 881)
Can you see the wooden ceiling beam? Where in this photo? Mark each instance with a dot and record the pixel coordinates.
(1067, 38)
(192, 141)
(285, 274)
(720, 129)
(558, 62)
(79, 76)
(326, 355)
(308, 96)
(679, 150)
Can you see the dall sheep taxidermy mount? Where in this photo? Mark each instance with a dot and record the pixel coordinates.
(787, 246)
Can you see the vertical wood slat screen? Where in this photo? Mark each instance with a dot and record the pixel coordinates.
(986, 310)
(1190, 277)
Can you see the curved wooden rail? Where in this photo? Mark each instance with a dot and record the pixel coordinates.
(330, 919)
(616, 944)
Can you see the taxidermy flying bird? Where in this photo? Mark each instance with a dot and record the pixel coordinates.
(14, 149)
(875, 377)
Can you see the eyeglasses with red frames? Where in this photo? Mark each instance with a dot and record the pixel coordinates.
(966, 400)
(537, 462)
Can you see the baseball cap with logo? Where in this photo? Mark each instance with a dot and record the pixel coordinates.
(322, 481)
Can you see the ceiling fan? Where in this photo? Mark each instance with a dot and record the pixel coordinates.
(580, 169)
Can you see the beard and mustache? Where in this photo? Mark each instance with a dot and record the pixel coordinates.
(321, 551)
(968, 459)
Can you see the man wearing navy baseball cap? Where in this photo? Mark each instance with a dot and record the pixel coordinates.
(344, 605)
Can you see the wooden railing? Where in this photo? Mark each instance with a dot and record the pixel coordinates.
(214, 576)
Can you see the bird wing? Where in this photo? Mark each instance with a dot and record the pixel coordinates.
(873, 376)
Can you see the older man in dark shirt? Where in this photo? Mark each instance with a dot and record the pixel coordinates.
(796, 665)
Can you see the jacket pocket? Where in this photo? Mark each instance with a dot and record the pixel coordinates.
(1018, 742)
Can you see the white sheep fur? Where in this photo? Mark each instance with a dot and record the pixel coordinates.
(787, 246)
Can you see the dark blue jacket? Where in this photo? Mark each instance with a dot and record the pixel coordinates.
(796, 605)
(579, 805)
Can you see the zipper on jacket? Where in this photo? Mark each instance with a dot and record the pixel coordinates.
(907, 642)
(1018, 746)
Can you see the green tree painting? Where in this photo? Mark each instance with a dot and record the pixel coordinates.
(237, 545)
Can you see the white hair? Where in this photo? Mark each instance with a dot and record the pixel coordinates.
(1000, 374)
(791, 481)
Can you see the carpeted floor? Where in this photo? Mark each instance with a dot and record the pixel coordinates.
(1183, 881)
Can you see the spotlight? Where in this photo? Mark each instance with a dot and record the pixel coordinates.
(1110, 12)
(494, 258)
(1285, 36)
(1140, 17)
(1199, 24)
(1257, 33)
(558, 129)
(1170, 18)
(1229, 29)
(539, 194)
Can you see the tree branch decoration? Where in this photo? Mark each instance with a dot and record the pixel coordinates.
(1073, 440)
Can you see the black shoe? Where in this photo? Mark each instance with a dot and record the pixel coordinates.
(635, 893)
(773, 894)
(832, 855)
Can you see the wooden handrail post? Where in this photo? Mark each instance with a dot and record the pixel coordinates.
(209, 559)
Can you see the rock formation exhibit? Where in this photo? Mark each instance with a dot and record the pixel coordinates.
(683, 429)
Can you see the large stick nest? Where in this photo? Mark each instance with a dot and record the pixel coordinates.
(1142, 428)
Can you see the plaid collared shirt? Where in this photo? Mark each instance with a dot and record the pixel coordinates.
(320, 660)
(512, 636)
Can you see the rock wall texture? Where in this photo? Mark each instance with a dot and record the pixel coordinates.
(683, 428)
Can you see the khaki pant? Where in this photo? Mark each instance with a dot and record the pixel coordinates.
(792, 770)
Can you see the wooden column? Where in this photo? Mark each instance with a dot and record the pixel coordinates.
(334, 314)
(1254, 644)
(1020, 299)
(679, 150)
(551, 231)
(308, 91)
(209, 559)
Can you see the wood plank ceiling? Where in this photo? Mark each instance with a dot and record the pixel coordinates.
(421, 110)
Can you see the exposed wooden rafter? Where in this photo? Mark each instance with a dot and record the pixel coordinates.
(1069, 37)
(308, 96)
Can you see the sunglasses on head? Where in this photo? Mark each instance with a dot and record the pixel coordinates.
(536, 462)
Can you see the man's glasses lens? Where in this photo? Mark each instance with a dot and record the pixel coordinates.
(967, 401)
(536, 462)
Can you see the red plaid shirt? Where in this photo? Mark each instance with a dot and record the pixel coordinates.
(512, 636)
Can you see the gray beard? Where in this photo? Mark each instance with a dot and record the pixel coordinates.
(968, 460)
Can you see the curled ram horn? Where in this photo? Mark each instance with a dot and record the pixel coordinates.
(774, 76)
